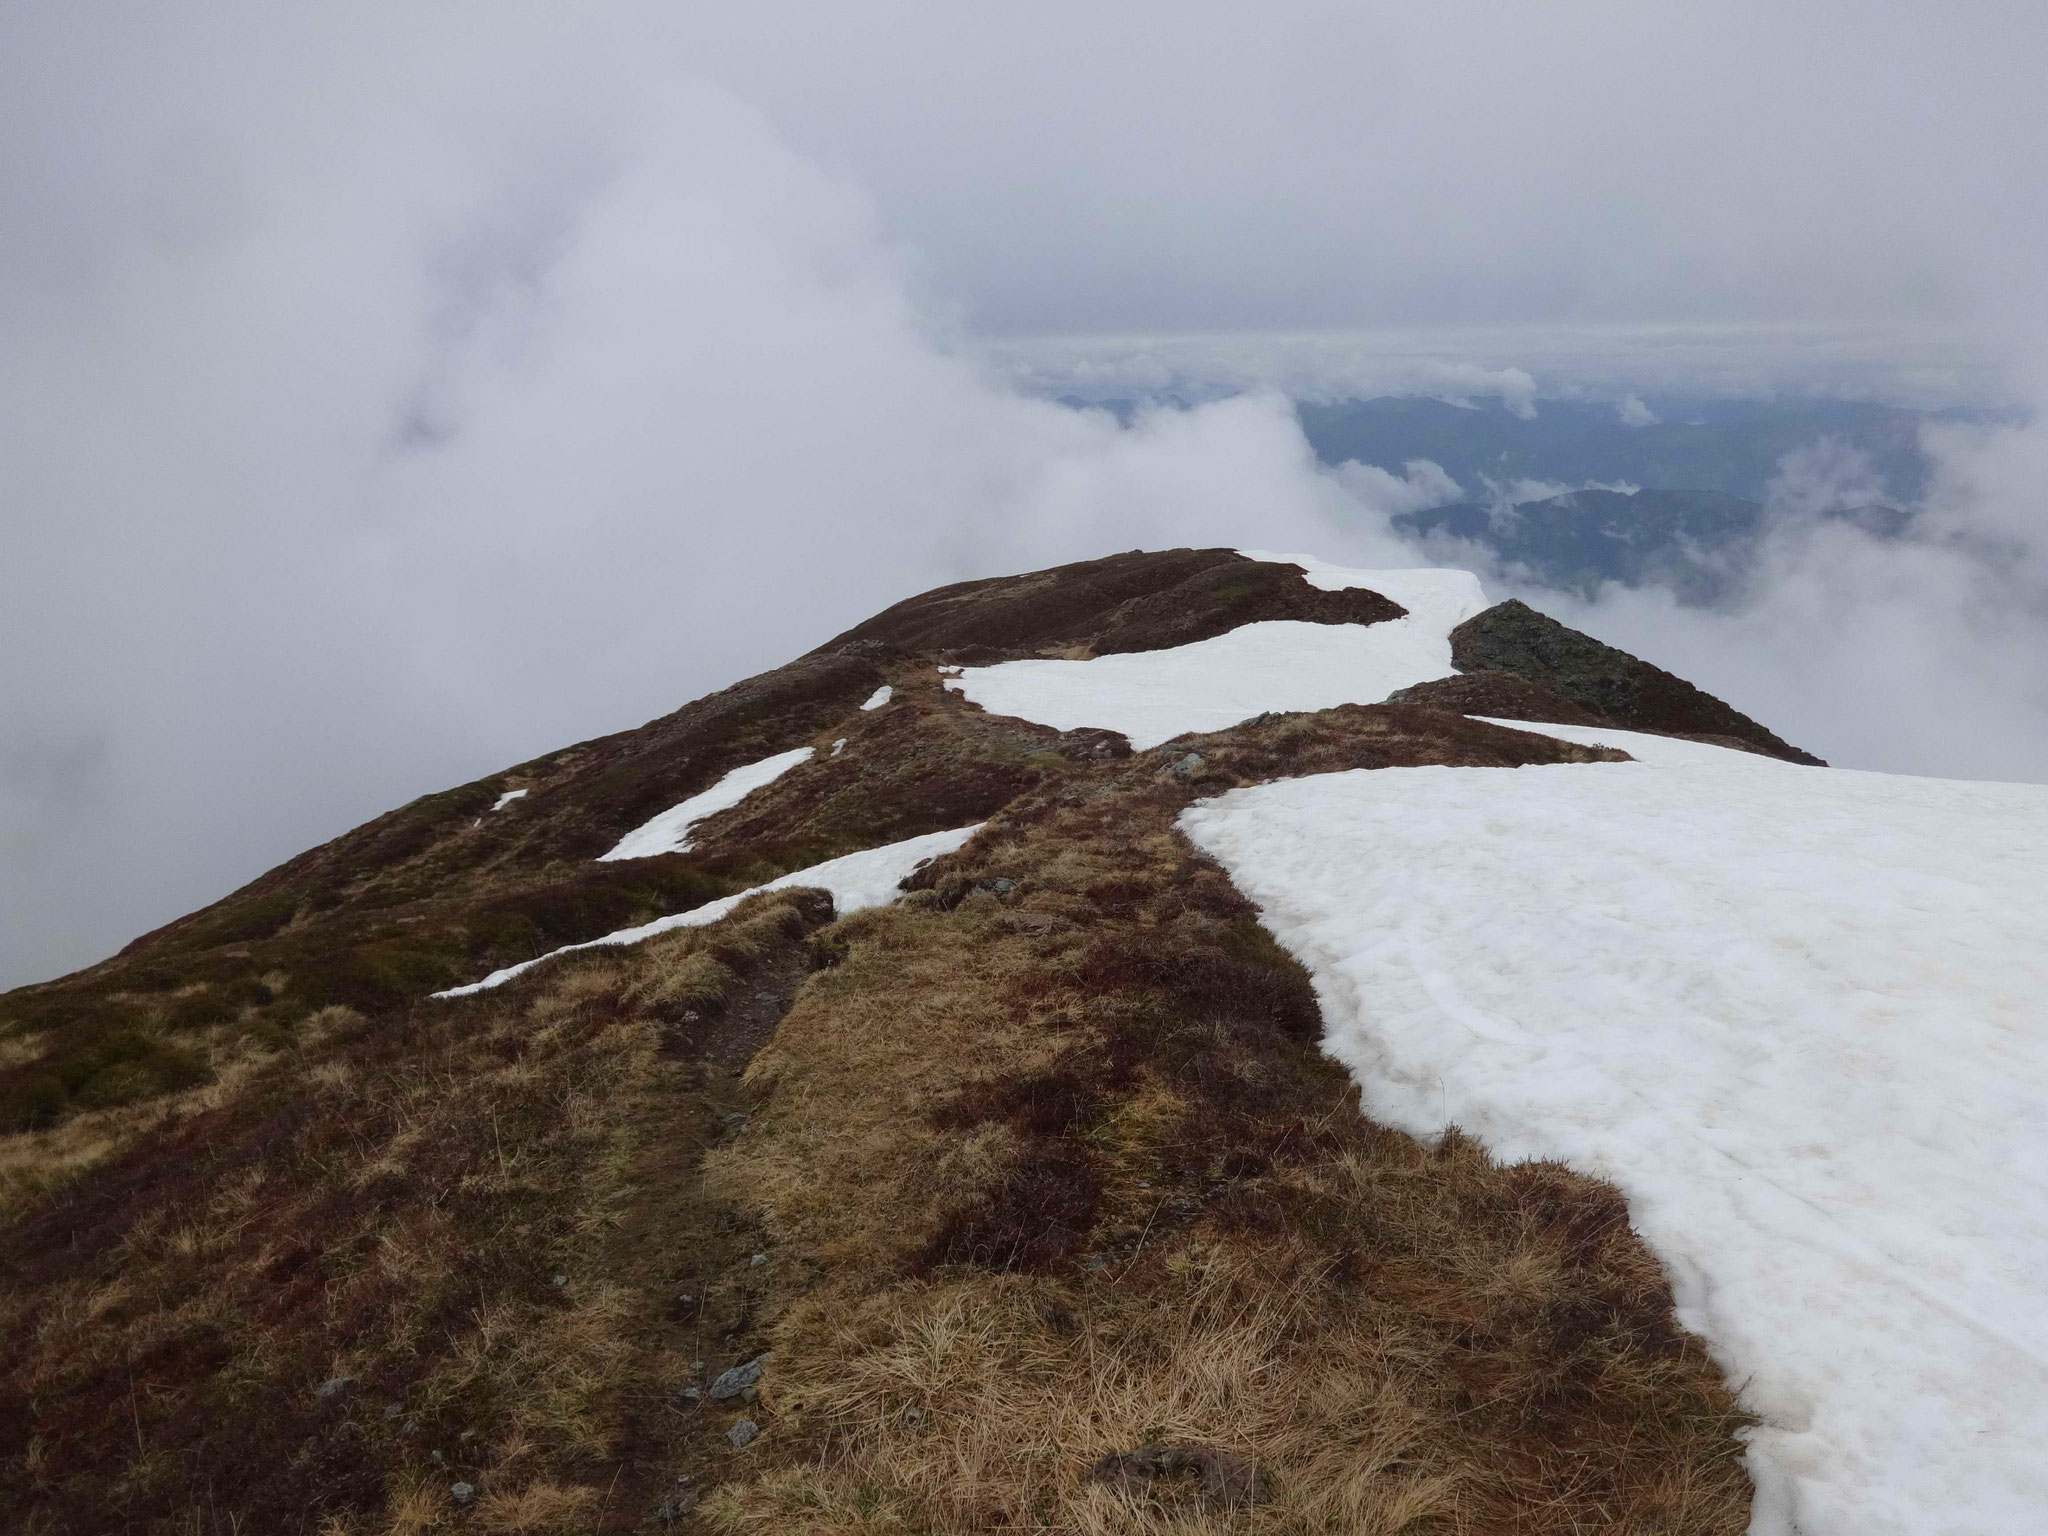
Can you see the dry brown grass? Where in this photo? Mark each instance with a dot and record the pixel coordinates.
(1036, 1178)
(391, 1205)
(1067, 1175)
(37, 1165)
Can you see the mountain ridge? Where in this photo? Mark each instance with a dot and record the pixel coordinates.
(292, 1242)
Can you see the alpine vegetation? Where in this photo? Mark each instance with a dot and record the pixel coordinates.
(1192, 1041)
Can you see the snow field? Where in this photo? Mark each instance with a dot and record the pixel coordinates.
(857, 881)
(670, 831)
(1282, 664)
(1798, 1015)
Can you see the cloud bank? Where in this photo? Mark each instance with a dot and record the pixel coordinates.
(1927, 654)
(389, 395)
(418, 452)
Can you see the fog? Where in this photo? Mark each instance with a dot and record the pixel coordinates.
(388, 394)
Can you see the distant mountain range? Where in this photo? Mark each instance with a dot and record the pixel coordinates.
(1700, 544)
(1734, 447)
(1676, 491)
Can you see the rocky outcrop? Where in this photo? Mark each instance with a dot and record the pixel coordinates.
(1513, 637)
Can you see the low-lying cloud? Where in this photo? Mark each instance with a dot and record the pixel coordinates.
(387, 397)
(435, 458)
(1921, 653)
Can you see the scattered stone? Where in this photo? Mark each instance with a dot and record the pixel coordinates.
(690, 1394)
(1002, 886)
(735, 1381)
(686, 1300)
(1225, 1477)
(336, 1386)
(466, 1436)
(1092, 744)
(734, 1122)
(757, 1261)
(742, 1433)
(461, 1493)
(1189, 766)
(561, 1280)
(676, 1507)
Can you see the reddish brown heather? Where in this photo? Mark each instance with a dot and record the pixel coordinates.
(1043, 1166)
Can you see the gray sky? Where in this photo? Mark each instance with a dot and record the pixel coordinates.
(389, 393)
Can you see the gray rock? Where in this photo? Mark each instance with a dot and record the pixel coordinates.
(690, 1394)
(1189, 766)
(461, 1493)
(1092, 744)
(336, 1386)
(735, 1381)
(561, 1279)
(1002, 887)
(676, 1507)
(742, 1433)
(757, 1261)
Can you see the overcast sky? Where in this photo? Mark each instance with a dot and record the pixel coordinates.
(390, 393)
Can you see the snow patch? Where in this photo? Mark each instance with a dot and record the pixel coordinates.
(670, 831)
(1794, 1013)
(1660, 751)
(1280, 664)
(1439, 596)
(879, 697)
(507, 798)
(839, 746)
(870, 878)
